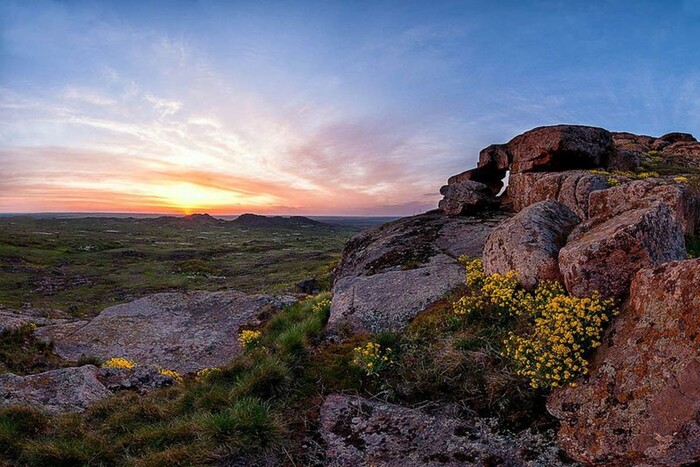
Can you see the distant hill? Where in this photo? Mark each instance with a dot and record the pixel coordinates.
(202, 218)
(293, 222)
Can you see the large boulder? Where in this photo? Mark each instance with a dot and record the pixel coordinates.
(560, 147)
(388, 275)
(179, 331)
(489, 177)
(571, 188)
(604, 257)
(56, 391)
(679, 197)
(466, 197)
(361, 432)
(641, 403)
(529, 242)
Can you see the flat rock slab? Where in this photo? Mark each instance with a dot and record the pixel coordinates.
(641, 403)
(360, 432)
(56, 391)
(184, 332)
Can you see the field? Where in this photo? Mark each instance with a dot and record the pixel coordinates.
(82, 265)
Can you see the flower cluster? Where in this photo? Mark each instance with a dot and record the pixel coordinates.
(118, 362)
(563, 330)
(372, 358)
(249, 339)
(321, 306)
(205, 373)
(171, 373)
(681, 179)
(557, 330)
(500, 292)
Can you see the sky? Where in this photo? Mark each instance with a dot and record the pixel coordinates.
(316, 108)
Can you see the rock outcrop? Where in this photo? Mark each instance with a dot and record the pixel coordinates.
(56, 391)
(572, 189)
(529, 243)
(390, 274)
(603, 258)
(179, 331)
(467, 197)
(360, 432)
(679, 197)
(641, 403)
(75, 389)
(560, 147)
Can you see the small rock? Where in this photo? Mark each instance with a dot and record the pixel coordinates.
(529, 243)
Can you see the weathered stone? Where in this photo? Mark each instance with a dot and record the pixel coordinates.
(560, 147)
(466, 197)
(489, 177)
(179, 331)
(360, 432)
(604, 257)
(140, 378)
(529, 243)
(641, 403)
(679, 197)
(496, 157)
(56, 391)
(390, 274)
(571, 188)
(388, 301)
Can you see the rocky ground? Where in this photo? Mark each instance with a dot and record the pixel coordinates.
(604, 213)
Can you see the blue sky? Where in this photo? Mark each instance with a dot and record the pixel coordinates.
(315, 107)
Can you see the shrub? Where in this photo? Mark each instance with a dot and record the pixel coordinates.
(372, 358)
(171, 373)
(553, 331)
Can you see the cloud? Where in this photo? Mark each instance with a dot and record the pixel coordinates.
(166, 107)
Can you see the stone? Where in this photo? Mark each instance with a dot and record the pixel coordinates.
(571, 188)
(362, 432)
(640, 404)
(529, 243)
(496, 157)
(604, 257)
(55, 391)
(184, 332)
(388, 301)
(308, 286)
(466, 197)
(388, 275)
(679, 197)
(560, 147)
(489, 177)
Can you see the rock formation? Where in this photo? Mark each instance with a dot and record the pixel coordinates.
(641, 403)
(529, 243)
(184, 332)
(390, 274)
(361, 432)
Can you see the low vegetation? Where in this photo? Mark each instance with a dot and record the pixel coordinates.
(84, 265)
(21, 352)
(477, 347)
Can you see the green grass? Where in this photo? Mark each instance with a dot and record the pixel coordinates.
(84, 265)
(239, 412)
(22, 353)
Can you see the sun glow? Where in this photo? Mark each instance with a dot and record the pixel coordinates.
(191, 197)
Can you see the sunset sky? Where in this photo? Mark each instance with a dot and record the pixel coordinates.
(345, 108)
